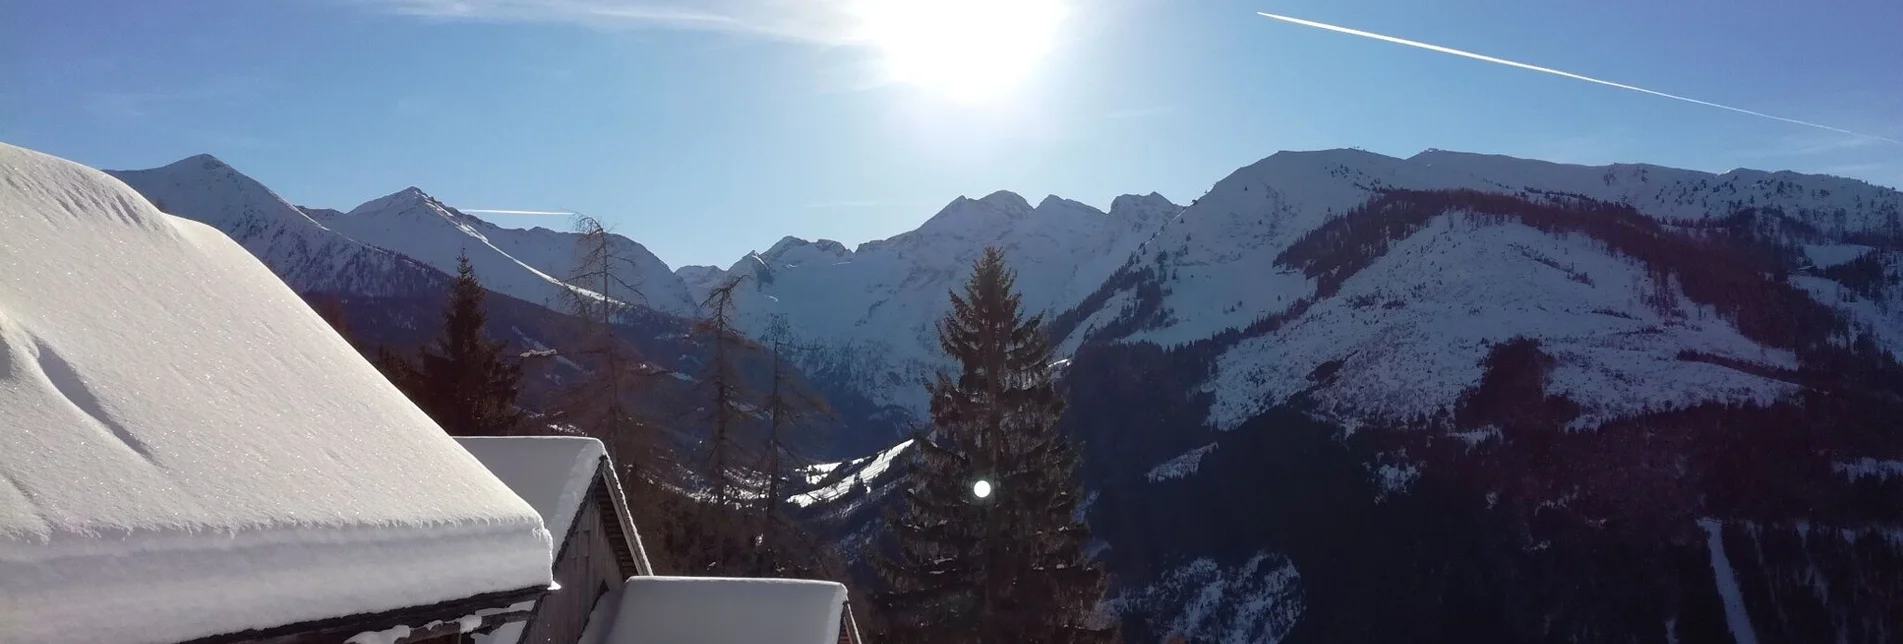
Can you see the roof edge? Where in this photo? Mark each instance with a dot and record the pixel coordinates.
(344, 626)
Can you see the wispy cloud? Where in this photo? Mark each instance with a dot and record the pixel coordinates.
(126, 106)
(823, 21)
(1140, 112)
(1548, 70)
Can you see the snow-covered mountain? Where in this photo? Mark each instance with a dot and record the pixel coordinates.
(1402, 336)
(391, 245)
(865, 316)
(1559, 382)
(700, 279)
(528, 264)
(387, 264)
(304, 253)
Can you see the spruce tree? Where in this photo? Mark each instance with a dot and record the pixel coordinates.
(461, 380)
(1007, 567)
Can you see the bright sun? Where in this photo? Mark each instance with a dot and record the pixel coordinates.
(969, 50)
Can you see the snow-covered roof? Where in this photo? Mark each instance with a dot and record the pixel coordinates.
(187, 450)
(713, 610)
(552, 473)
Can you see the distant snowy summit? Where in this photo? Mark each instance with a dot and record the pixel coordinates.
(1322, 278)
(867, 314)
(396, 244)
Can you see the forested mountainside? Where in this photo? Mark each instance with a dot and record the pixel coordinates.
(1763, 500)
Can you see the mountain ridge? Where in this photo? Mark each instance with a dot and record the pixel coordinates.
(1568, 384)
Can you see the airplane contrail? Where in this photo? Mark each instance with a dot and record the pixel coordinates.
(550, 213)
(1555, 72)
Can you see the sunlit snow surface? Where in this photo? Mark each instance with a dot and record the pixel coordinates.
(1737, 618)
(552, 473)
(1411, 331)
(868, 314)
(186, 449)
(866, 475)
(1180, 466)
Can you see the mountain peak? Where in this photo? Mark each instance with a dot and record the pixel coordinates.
(1338, 156)
(793, 251)
(398, 202)
(1006, 199)
(1149, 201)
(205, 159)
(1054, 201)
(197, 163)
(783, 245)
(964, 215)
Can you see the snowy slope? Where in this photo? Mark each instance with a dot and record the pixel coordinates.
(186, 449)
(526, 264)
(1879, 313)
(700, 279)
(1407, 333)
(1836, 206)
(868, 313)
(553, 252)
(301, 251)
(857, 473)
(1411, 331)
(1219, 254)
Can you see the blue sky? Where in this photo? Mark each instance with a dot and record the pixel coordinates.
(708, 128)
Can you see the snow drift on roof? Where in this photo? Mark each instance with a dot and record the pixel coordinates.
(186, 449)
(711, 610)
(552, 473)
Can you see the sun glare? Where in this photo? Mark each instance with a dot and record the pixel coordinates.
(968, 50)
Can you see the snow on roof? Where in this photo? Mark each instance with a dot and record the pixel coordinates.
(187, 450)
(552, 473)
(713, 610)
